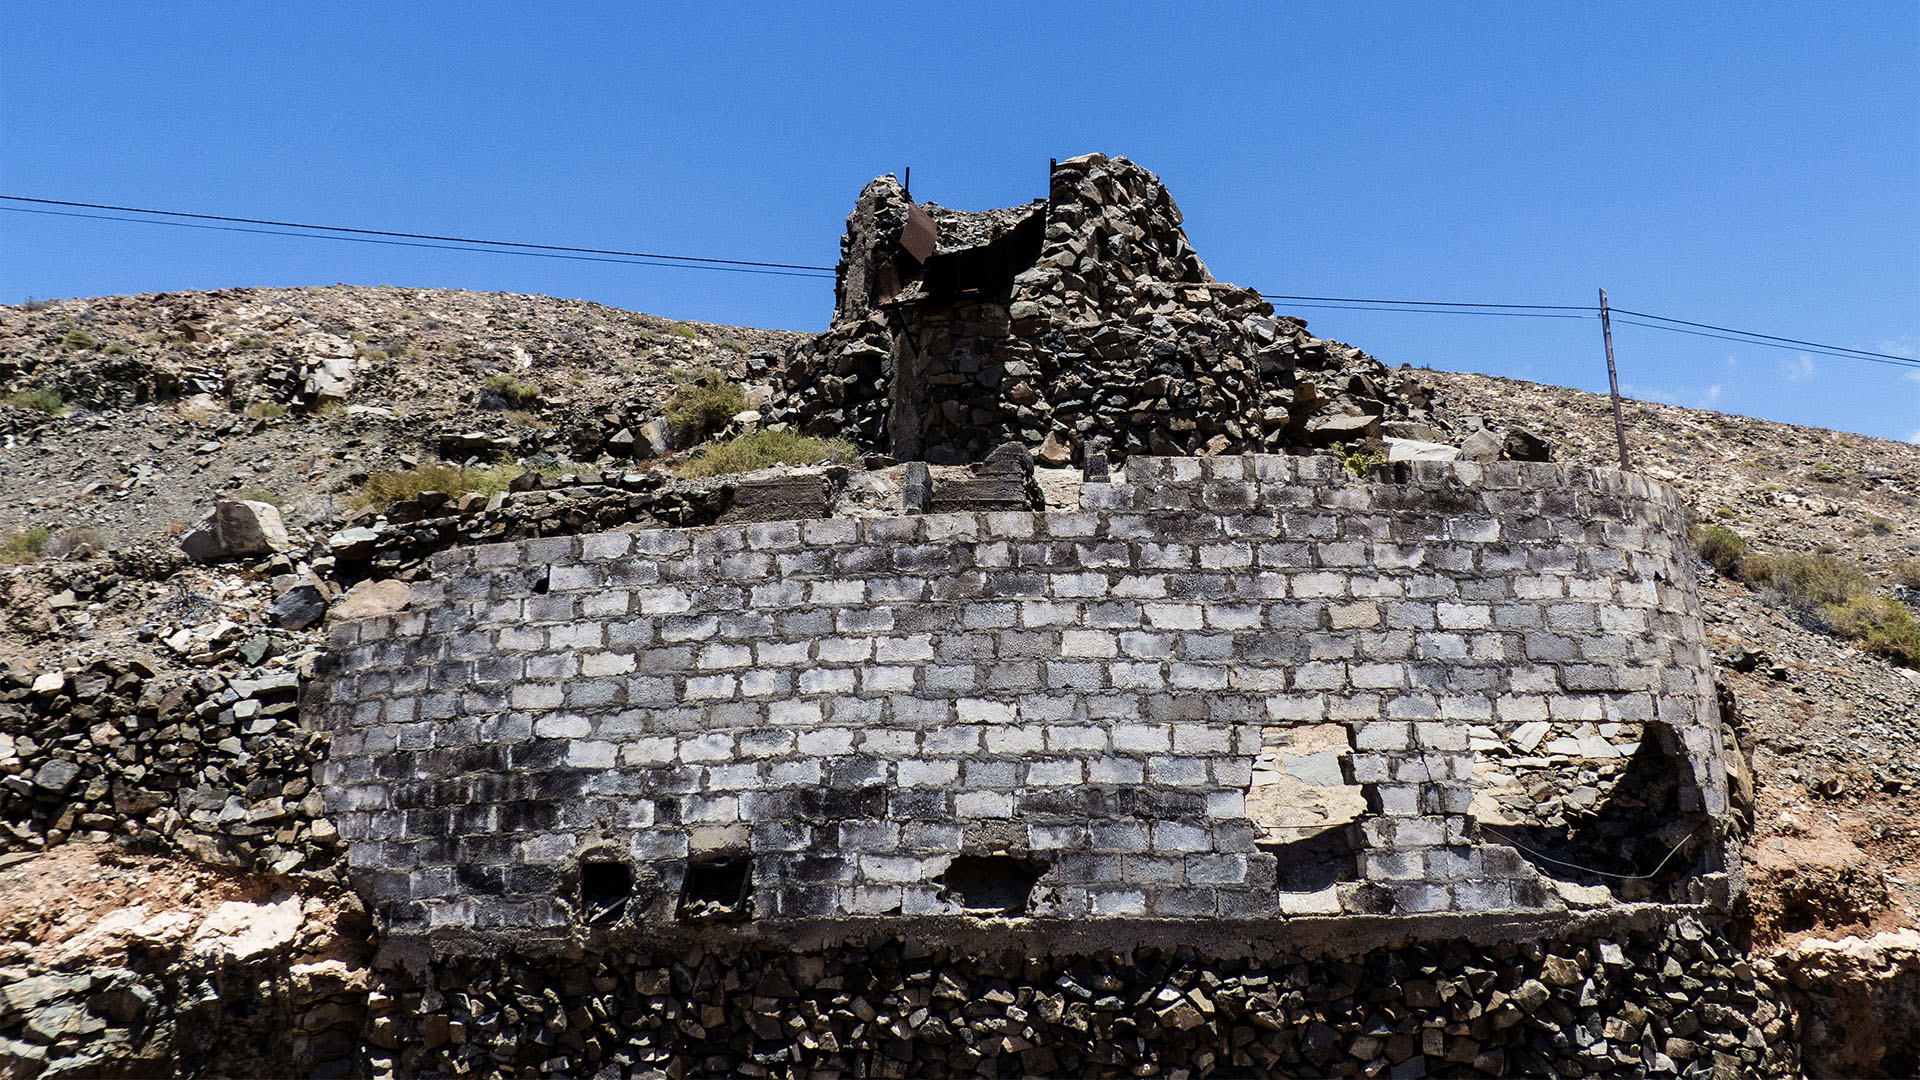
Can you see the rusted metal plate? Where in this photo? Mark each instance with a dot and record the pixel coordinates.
(989, 266)
(920, 235)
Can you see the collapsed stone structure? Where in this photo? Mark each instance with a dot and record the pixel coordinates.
(1082, 319)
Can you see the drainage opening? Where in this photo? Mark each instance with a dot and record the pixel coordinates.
(992, 883)
(605, 887)
(717, 889)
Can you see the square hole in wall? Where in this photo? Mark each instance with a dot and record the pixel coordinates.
(717, 889)
(992, 884)
(605, 887)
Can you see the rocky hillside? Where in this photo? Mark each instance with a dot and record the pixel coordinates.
(298, 394)
(147, 699)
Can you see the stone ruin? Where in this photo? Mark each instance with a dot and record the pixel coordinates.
(1224, 706)
(1082, 320)
(1212, 683)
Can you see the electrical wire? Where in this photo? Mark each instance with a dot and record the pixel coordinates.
(1872, 358)
(1684, 841)
(412, 235)
(397, 238)
(1430, 303)
(548, 254)
(1769, 337)
(1441, 311)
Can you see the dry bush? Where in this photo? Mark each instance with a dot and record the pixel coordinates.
(763, 450)
(386, 488)
(703, 403)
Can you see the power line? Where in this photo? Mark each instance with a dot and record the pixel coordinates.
(1440, 311)
(1872, 358)
(1550, 311)
(396, 238)
(416, 244)
(1429, 303)
(1769, 337)
(411, 235)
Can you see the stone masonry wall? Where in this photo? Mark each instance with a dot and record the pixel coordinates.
(1031, 715)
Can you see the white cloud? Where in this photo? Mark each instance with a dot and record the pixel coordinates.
(1798, 369)
(1712, 395)
(1915, 437)
(1913, 375)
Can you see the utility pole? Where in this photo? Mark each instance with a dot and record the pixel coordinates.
(1613, 381)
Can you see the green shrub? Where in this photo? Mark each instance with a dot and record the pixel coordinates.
(1723, 548)
(386, 488)
(253, 343)
(1880, 526)
(271, 498)
(116, 348)
(1359, 462)
(78, 338)
(46, 400)
(24, 546)
(514, 393)
(266, 410)
(1908, 573)
(682, 330)
(1818, 580)
(704, 403)
(762, 450)
(1881, 625)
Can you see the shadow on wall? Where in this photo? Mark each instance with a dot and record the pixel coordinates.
(1305, 803)
(1317, 860)
(1640, 839)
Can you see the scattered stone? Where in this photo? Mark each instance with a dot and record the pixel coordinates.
(298, 608)
(371, 598)
(1523, 445)
(1410, 450)
(1481, 445)
(236, 528)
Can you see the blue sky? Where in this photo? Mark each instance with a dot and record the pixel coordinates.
(1748, 165)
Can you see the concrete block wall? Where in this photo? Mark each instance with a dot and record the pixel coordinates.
(841, 719)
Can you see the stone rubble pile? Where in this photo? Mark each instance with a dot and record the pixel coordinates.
(215, 766)
(1676, 1002)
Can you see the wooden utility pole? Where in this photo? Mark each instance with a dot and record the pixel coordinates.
(1613, 381)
